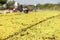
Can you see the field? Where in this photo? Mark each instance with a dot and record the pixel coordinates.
(43, 25)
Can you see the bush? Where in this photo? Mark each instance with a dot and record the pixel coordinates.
(30, 7)
(2, 8)
(10, 4)
(3, 2)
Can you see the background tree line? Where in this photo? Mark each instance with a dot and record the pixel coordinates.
(48, 6)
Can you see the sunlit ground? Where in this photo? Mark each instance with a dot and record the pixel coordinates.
(13, 22)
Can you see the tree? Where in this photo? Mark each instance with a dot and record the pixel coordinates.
(39, 6)
(10, 4)
(3, 2)
(30, 7)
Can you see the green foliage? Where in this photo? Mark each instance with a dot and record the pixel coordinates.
(3, 1)
(39, 6)
(10, 4)
(31, 7)
(49, 6)
(2, 7)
